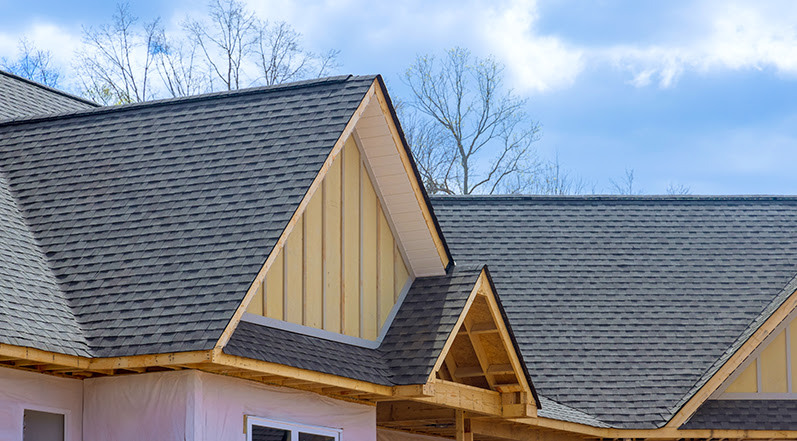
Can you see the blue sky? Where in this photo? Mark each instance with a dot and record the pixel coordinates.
(698, 93)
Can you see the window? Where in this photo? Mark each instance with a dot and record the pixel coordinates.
(42, 426)
(261, 429)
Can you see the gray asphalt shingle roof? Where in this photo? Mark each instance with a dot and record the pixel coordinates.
(745, 415)
(20, 98)
(155, 218)
(623, 306)
(407, 354)
(33, 310)
(138, 229)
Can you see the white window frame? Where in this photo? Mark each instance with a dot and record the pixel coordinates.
(56, 410)
(293, 428)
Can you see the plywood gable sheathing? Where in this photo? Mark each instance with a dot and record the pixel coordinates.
(341, 268)
(403, 202)
(770, 371)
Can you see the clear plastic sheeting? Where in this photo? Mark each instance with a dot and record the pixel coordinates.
(197, 406)
(21, 390)
(394, 435)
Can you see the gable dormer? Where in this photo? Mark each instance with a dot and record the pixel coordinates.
(363, 232)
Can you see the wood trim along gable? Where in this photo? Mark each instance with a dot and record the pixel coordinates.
(375, 92)
(516, 399)
(409, 167)
(730, 366)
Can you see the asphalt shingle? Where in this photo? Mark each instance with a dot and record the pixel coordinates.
(20, 98)
(745, 415)
(407, 354)
(623, 306)
(156, 217)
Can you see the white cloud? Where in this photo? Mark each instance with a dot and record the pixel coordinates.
(734, 37)
(505, 29)
(60, 41)
(536, 63)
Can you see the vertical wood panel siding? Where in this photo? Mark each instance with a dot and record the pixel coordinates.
(351, 239)
(773, 370)
(341, 269)
(313, 270)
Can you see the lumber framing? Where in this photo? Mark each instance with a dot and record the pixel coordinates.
(493, 366)
(430, 408)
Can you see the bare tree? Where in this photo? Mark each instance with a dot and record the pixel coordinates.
(678, 189)
(465, 97)
(281, 58)
(553, 179)
(33, 64)
(226, 39)
(426, 138)
(625, 184)
(114, 64)
(176, 62)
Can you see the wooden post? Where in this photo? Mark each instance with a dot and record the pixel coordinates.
(464, 432)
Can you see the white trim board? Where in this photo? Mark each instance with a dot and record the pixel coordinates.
(329, 335)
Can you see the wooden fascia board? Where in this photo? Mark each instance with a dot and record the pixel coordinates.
(261, 275)
(38, 355)
(211, 358)
(723, 373)
(412, 173)
(105, 363)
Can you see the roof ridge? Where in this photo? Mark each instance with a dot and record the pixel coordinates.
(48, 88)
(193, 98)
(629, 198)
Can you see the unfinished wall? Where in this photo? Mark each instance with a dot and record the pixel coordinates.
(341, 269)
(197, 406)
(21, 390)
(772, 369)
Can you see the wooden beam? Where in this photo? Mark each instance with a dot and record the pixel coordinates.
(469, 371)
(481, 354)
(499, 369)
(414, 390)
(483, 328)
(691, 406)
(464, 397)
(406, 412)
(463, 427)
